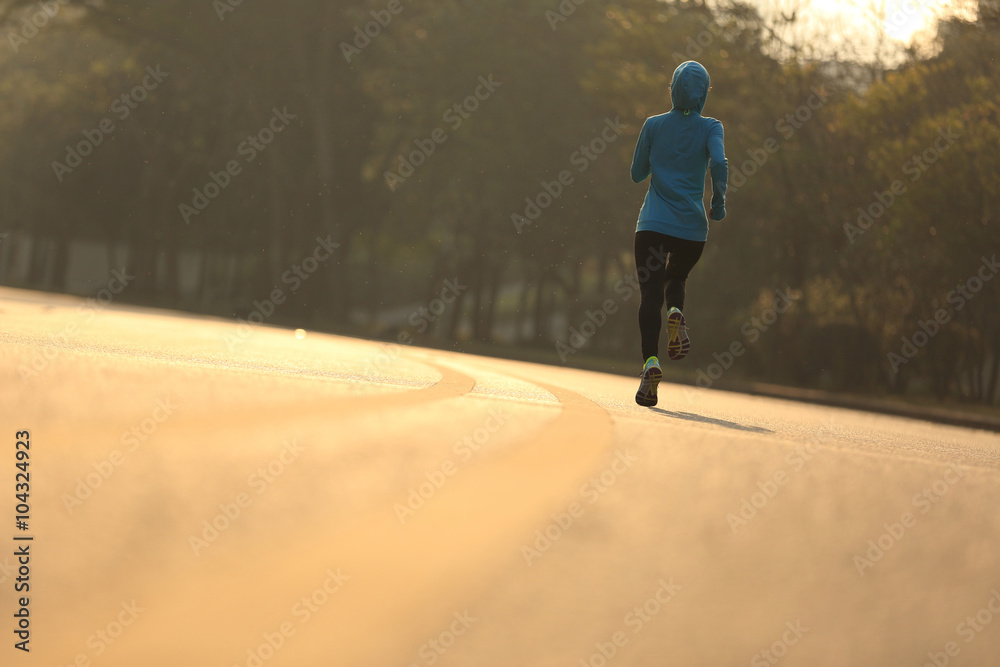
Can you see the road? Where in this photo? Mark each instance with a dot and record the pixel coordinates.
(208, 494)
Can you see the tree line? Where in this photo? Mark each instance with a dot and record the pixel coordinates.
(208, 146)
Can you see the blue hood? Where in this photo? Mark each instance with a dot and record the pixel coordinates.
(689, 87)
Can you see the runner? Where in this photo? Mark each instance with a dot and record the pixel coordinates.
(677, 148)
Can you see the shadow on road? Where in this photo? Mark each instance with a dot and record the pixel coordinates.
(690, 416)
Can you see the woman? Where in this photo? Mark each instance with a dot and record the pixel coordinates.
(677, 148)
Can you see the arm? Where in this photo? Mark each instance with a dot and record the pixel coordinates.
(640, 161)
(719, 167)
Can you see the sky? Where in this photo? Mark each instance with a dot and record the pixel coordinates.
(900, 19)
(847, 26)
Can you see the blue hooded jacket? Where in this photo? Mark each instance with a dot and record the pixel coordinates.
(678, 148)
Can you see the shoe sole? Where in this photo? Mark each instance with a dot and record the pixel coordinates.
(648, 398)
(678, 344)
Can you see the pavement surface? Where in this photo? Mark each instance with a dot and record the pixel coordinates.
(205, 493)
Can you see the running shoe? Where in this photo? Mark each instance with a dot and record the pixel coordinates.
(651, 376)
(678, 343)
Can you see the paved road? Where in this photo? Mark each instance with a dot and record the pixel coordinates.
(203, 494)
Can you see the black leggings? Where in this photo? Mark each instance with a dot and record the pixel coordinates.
(663, 264)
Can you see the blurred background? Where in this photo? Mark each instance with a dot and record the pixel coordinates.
(455, 174)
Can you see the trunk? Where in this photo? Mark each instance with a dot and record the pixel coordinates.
(576, 284)
(991, 394)
(962, 378)
(142, 256)
(975, 378)
(521, 317)
(540, 309)
(337, 279)
(340, 288)
(455, 319)
(112, 254)
(39, 263)
(6, 258)
(205, 276)
(477, 286)
(939, 376)
(374, 286)
(275, 249)
(60, 253)
(994, 362)
(171, 258)
(143, 260)
(493, 287)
